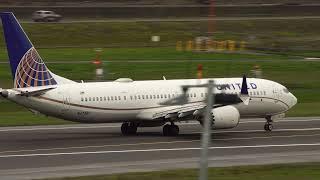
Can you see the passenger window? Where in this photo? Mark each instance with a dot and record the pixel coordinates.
(86, 99)
(165, 96)
(124, 97)
(142, 96)
(158, 96)
(257, 92)
(100, 98)
(104, 98)
(115, 98)
(89, 98)
(194, 95)
(119, 97)
(169, 96)
(81, 98)
(161, 96)
(93, 99)
(138, 96)
(131, 97)
(111, 98)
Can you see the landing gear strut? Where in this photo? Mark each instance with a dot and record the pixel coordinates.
(170, 130)
(129, 128)
(268, 126)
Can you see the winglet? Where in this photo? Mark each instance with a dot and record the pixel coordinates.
(244, 95)
(244, 87)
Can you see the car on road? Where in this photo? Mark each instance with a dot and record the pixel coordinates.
(46, 16)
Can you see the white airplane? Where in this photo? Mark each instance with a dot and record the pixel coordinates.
(134, 103)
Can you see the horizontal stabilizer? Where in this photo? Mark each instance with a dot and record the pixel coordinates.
(34, 91)
(3, 93)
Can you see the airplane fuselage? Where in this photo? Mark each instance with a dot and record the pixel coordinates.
(123, 101)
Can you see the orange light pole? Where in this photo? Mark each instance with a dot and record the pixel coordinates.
(97, 61)
(211, 22)
(200, 71)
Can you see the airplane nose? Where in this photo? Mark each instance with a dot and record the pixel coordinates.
(294, 100)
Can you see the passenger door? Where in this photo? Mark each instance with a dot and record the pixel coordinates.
(66, 100)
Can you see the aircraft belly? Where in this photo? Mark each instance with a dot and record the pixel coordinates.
(101, 116)
(258, 108)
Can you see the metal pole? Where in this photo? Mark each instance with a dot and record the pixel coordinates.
(206, 133)
(211, 21)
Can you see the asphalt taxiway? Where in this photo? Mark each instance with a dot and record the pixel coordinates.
(77, 150)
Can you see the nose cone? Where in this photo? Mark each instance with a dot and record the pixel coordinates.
(294, 100)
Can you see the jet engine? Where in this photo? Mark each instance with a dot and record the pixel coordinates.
(225, 117)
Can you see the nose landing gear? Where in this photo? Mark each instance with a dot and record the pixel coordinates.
(268, 125)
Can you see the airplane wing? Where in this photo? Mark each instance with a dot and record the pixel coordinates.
(34, 91)
(179, 107)
(179, 111)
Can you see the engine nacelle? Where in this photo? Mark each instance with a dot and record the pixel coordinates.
(225, 117)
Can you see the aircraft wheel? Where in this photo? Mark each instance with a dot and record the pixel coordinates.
(170, 130)
(125, 128)
(268, 127)
(174, 130)
(166, 130)
(133, 128)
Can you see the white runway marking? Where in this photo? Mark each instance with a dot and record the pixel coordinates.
(156, 150)
(279, 121)
(251, 131)
(118, 125)
(58, 128)
(155, 143)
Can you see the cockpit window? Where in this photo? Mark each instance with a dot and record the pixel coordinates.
(285, 90)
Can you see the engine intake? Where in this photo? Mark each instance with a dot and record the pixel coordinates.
(225, 117)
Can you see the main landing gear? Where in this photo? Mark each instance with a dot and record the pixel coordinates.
(268, 126)
(129, 128)
(170, 130)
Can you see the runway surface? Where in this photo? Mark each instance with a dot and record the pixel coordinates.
(76, 150)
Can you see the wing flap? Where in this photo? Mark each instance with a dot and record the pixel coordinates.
(167, 112)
